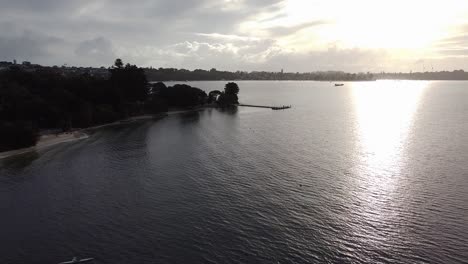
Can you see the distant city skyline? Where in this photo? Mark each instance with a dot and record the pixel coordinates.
(270, 35)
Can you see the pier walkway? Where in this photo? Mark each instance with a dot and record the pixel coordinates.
(265, 106)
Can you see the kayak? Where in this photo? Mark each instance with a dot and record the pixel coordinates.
(76, 260)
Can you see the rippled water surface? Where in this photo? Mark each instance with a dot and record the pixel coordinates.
(366, 173)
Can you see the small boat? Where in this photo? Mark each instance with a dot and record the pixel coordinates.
(76, 260)
(339, 84)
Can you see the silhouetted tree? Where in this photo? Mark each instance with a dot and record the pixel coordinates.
(158, 88)
(231, 88)
(130, 83)
(229, 97)
(182, 95)
(118, 63)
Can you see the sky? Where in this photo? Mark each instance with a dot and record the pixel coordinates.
(270, 35)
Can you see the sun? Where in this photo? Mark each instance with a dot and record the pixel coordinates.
(375, 24)
(394, 24)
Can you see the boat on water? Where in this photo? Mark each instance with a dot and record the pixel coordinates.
(76, 260)
(339, 84)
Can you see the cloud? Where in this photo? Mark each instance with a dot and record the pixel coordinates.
(228, 37)
(461, 40)
(454, 46)
(290, 30)
(226, 34)
(96, 50)
(258, 55)
(350, 60)
(456, 52)
(28, 46)
(43, 5)
(127, 24)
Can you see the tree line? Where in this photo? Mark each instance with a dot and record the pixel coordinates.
(172, 74)
(440, 75)
(46, 99)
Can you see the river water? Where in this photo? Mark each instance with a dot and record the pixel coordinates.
(372, 172)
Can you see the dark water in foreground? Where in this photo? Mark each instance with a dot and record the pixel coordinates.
(366, 173)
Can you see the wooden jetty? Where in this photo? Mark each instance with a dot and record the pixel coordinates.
(265, 106)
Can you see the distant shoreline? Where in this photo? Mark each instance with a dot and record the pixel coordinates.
(383, 79)
(182, 75)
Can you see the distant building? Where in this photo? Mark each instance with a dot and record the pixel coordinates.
(5, 65)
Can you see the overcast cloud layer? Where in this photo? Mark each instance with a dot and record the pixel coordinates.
(234, 35)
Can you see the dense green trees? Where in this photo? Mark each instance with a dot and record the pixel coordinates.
(229, 96)
(18, 134)
(129, 82)
(45, 99)
(118, 63)
(180, 95)
(231, 88)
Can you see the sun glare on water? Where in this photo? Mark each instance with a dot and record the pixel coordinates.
(385, 111)
(384, 115)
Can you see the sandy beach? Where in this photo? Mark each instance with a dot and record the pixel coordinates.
(54, 139)
(47, 141)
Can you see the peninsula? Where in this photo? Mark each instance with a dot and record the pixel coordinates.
(48, 106)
